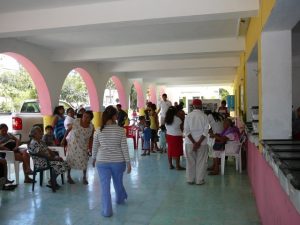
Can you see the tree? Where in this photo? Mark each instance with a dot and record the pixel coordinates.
(223, 93)
(74, 90)
(18, 86)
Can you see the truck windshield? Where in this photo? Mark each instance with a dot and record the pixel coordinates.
(30, 107)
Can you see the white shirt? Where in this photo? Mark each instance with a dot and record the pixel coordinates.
(216, 126)
(68, 120)
(174, 128)
(196, 124)
(164, 105)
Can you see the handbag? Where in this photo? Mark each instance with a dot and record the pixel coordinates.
(219, 146)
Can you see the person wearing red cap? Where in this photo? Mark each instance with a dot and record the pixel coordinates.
(196, 127)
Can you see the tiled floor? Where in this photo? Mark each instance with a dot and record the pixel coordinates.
(156, 196)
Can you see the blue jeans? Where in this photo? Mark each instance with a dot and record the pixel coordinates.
(115, 171)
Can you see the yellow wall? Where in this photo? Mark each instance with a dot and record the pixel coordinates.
(252, 38)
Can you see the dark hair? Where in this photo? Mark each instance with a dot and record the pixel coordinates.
(178, 107)
(90, 113)
(171, 112)
(119, 105)
(57, 108)
(48, 127)
(164, 95)
(223, 102)
(147, 123)
(163, 127)
(107, 115)
(142, 118)
(3, 125)
(149, 104)
(217, 116)
(153, 107)
(70, 109)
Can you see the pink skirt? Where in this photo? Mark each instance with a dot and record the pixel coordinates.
(175, 146)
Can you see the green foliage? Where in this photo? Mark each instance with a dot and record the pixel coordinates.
(74, 90)
(17, 86)
(223, 93)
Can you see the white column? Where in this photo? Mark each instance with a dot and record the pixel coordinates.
(276, 70)
(252, 88)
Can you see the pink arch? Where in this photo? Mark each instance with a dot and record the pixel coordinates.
(153, 97)
(121, 92)
(38, 80)
(140, 94)
(94, 100)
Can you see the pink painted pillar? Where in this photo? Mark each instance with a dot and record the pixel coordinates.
(121, 92)
(153, 97)
(94, 99)
(140, 94)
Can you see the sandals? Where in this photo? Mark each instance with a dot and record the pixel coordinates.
(172, 167)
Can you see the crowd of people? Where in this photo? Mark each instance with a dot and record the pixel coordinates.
(165, 124)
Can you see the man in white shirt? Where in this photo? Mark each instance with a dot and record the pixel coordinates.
(196, 129)
(163, 106)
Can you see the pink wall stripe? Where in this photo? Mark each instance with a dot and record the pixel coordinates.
(274, 205)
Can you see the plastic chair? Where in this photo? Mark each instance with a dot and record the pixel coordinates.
(131, 132)
(10, 158)
(237, 155)
(41, 171)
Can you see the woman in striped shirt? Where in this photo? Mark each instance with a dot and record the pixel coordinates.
(110, 155)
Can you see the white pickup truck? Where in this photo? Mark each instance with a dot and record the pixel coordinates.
(20, 123)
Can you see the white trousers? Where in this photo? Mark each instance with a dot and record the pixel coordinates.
(196, 163)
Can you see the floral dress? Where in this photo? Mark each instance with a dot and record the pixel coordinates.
(77, 153)
(41, 163)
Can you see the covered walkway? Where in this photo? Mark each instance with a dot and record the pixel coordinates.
(156, 196)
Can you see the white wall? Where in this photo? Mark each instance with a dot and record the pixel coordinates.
(252, 87)
(276, 85)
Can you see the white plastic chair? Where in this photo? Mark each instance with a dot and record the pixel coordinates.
(236, 153)
(10, 158)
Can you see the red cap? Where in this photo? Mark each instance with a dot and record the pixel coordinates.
(197, 102)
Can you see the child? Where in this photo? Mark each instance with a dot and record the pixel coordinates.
(223, 109)
(162, 139)
(49, 138)
(141, 126)
(147, 139)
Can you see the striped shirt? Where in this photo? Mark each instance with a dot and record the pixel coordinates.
(110, 144)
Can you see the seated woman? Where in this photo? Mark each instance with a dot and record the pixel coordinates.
(11, 143)
(229, 136)
(39, 148)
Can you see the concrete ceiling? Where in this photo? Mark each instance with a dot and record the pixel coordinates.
(170, 42)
